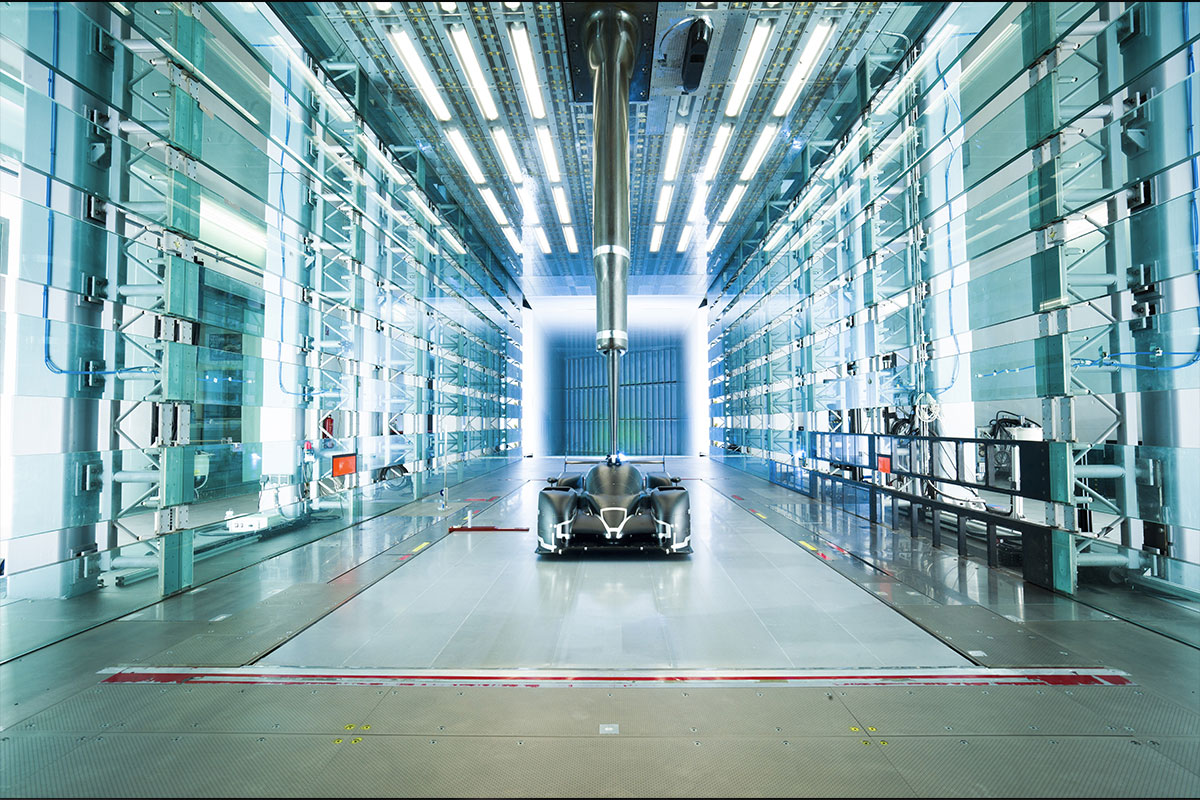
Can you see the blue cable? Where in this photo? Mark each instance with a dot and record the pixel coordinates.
(949, 241)
(46, 357)
(287, 136)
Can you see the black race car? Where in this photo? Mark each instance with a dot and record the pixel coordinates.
(614, 506)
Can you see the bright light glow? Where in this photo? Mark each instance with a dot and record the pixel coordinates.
(449, 238)
(720, 142)
(927, 53)
(513, 241)
(419, 235)
(543, 242)
(233, 224)
(529, 214)
(839, 161)
(470, 64)
(656, 238)
(465, 156)
(381, 158)
(561, 205)
(664, 203)
(449, 8)
(415, 68)
(777, 236)
(508, 156)
(714, 236)
(759, 152)
(327, 98)
(527, 69)
(489, 197)
(731, 204)
(685, 238)
(513, 6)
(418, 202)
(675, 152)
(534, 355)
(382, 6)
(699, 201)
(808, 59)
(549, 157)
(569, 235)
(749, 68)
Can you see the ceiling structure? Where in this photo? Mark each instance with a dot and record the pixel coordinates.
(497, 119)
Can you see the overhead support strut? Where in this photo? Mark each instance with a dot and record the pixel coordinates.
(611, 35)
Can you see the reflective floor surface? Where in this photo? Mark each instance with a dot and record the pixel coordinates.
(798, 652)
(746, 598)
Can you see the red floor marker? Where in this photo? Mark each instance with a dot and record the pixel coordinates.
(975, 676)
(736, 497)
(458, 528)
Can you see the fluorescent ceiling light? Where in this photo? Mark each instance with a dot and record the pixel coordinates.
(720, 142)
(513, 241)
(561, 205)
(675, 152)
(549, 157)
(656, 238)
(543, 242)
(508, 156)
(684, 239)
(415, 67)
(463, 150)
(664, 202)
(569, 235)
(759, 152)
(714, 236)
(489, 197)
(731, 204)
(527, 69)
(804, 67)
(749, 68)
(470, 64)
(419, 203)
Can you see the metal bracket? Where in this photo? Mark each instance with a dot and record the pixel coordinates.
(575, 16)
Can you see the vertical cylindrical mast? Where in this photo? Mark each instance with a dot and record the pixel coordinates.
(612, 41)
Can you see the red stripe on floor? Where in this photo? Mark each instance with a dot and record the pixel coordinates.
(1009, 678)
(458, 528)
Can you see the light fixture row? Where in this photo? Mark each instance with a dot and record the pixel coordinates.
(522, 49)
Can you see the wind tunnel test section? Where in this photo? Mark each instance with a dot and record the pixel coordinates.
(613, 504)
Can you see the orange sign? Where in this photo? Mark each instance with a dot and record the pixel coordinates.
(345, 465)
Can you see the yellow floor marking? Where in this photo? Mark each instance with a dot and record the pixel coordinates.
(809, 546)
(422, 544)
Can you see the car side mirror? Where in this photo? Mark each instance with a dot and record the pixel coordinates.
(552, 481)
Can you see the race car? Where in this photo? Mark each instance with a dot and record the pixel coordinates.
(613, 506)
